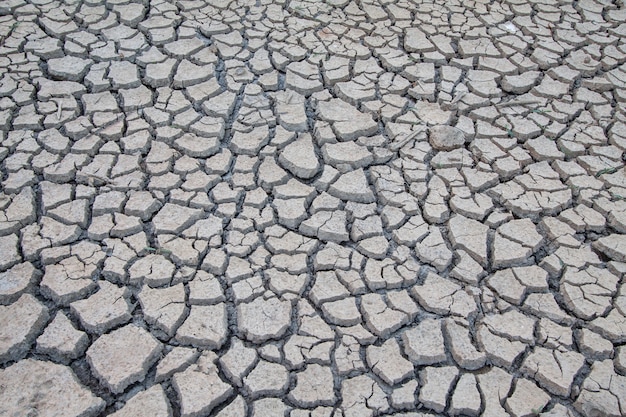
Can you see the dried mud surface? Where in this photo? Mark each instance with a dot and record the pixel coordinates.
(312, 208)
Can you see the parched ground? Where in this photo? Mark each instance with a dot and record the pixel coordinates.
(312, 208)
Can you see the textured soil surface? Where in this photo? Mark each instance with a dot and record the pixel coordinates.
(312, 208)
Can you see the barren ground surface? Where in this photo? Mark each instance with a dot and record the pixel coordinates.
(312, 208)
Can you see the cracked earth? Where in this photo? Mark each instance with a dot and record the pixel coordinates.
(312, 208)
